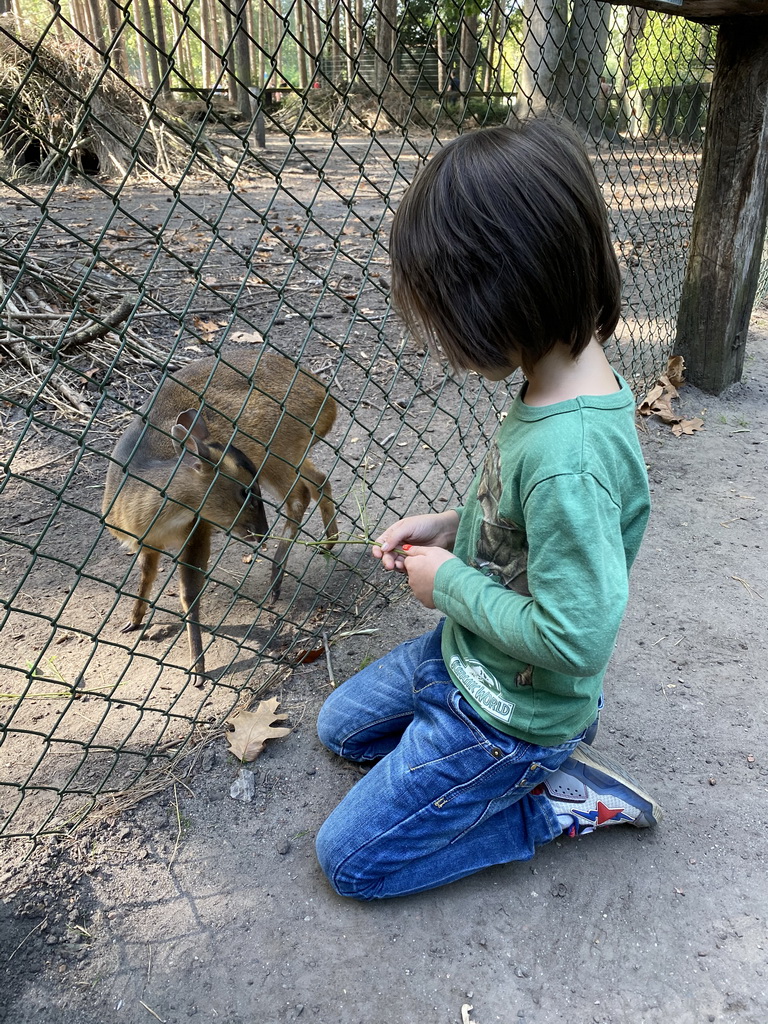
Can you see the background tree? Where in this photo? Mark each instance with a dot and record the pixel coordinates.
(582, 66)
(546, 23)
(385, 42)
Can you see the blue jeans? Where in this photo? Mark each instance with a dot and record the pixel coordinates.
(448, 795)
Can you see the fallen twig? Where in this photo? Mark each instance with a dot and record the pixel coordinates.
(329, 663)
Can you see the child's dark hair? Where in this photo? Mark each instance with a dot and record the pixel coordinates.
(501, 246)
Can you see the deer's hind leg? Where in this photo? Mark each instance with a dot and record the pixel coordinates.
(320, 490)
(293, 510)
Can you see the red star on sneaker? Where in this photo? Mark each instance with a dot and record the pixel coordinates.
(607, 813)
(603, 815)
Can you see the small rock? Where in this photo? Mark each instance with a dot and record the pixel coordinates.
(244, 786)
(283, 847)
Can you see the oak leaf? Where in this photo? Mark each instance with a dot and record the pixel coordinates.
(658, 401)
(251, 730)
(676, 370)
(687, 426)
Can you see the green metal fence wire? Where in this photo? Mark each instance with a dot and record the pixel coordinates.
(188, 179)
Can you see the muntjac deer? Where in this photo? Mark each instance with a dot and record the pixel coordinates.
(195, 460)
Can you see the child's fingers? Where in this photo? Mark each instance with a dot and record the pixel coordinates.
(394, 536)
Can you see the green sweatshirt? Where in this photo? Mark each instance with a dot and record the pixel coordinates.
(545, 542)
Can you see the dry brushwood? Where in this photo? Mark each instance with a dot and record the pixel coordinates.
(61, 111)
(54, 310)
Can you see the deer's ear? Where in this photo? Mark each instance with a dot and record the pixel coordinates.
(189, 434)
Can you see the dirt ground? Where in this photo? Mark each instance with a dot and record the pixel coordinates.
(296, 253)
(194, 905)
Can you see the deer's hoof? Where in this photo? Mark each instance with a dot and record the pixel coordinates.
(198, 676)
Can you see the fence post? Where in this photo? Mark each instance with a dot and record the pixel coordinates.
(729, 218)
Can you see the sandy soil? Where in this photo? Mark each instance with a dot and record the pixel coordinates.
(297, 252)
(195, 905)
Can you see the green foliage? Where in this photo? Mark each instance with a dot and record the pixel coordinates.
(671, 50)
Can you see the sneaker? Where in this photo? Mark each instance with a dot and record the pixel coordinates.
(590, 791)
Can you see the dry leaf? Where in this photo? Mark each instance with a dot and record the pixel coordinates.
(687, 426)
(252, 729)
(663, 409)
(247, 338)
(646, 406)
(658, 401)
(307, 656)
(206, 326)
(676, 370)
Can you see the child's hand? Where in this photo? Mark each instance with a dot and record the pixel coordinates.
(422, 564)
(437, 529)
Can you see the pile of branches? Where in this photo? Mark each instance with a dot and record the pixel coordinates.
(394, 110)
(62, 111)
(61, 320)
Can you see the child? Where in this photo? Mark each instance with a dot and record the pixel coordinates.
(501, 258)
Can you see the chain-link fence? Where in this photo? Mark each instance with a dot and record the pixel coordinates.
(182, 176)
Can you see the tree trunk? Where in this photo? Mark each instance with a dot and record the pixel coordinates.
(442, 59)
(469, 50)
(545, 22)
(729, 219)
(117, 37)
(583, 65)
(333, 17)
(242, 51)
(96, 33)
(351, 39)
(77, 17)
(163, 63)
(228, 49)
(302, 45)
(386, 40)
(276, 37)
(313, 41)
(494, 43)
(184, 61)
(147, 48)
(212, 50)
(629, 98)
(705, 38)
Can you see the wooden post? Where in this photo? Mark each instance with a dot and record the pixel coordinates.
(729, 218)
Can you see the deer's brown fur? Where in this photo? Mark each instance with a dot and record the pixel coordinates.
(195, 460)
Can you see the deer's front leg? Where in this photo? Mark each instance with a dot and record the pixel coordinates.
(193, 562)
